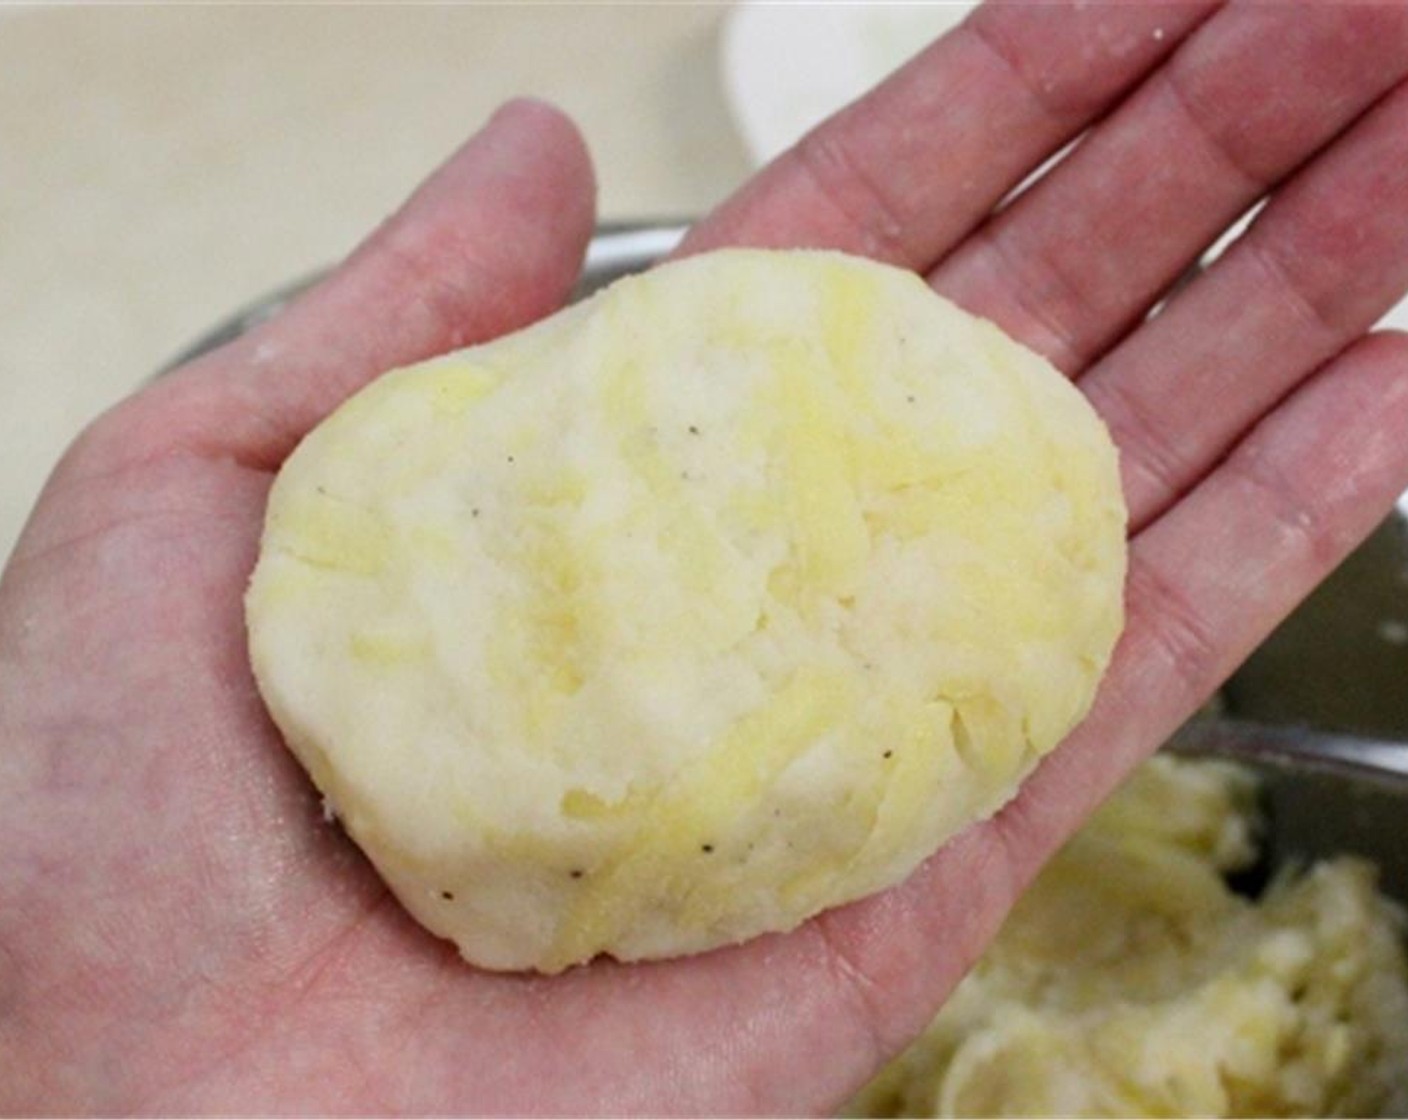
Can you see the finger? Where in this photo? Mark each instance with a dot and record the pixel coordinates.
(1080, 257)
(1323, 262)
(904, 173)
(492, 241)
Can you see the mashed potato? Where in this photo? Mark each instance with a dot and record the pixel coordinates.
(722, 598)
(1131, 981)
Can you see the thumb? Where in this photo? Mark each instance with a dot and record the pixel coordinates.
(490, 242)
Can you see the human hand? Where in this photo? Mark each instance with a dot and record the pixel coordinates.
(179, 929)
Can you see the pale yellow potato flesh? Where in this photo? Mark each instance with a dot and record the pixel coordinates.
(691, 611)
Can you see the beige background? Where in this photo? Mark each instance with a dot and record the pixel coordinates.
(161, 166)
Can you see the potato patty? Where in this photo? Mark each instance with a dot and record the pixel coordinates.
(686, 613)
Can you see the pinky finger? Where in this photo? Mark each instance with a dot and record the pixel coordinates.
(1212, 577)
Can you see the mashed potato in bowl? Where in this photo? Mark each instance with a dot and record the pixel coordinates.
(1132, 980)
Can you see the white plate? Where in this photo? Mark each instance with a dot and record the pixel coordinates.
(786, 67)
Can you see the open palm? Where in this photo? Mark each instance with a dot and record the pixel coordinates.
(180, 930)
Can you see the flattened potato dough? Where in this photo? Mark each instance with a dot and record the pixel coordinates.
(721, 599)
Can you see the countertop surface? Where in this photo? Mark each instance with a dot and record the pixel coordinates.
(162, 166)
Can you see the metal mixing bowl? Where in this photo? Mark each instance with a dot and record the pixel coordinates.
(1339, 663)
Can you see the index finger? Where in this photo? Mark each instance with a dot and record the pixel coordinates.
(903, 174)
